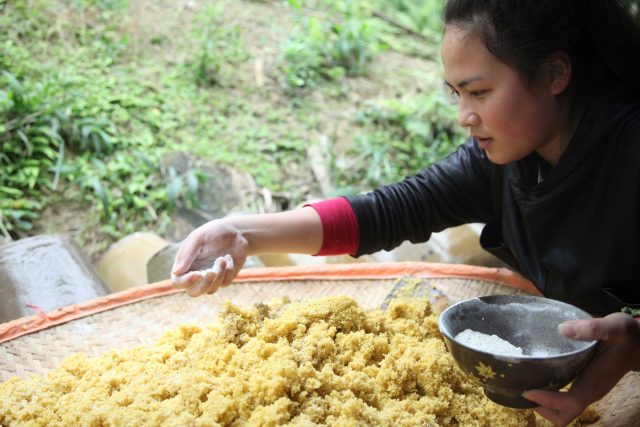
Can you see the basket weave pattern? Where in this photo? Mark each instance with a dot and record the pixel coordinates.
(142, 322)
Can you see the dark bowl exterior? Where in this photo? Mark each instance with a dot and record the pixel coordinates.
(504, 377)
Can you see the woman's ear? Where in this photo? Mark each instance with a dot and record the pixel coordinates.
(558, 72)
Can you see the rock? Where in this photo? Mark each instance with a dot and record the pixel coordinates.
(159, 265)
(45, 272)
(458, 245)
(124, 265)
(225, 189)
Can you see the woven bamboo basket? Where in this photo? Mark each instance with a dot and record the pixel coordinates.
(138, 316)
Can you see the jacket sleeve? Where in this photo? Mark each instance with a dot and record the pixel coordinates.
(454, 191)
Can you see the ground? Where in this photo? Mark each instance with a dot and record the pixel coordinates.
(264, 26)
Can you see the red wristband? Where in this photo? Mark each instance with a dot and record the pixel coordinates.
(340, 233)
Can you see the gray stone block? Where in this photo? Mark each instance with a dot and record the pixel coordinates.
(46, 271)
(159, 265)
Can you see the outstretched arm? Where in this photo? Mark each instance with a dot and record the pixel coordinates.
(221, 247)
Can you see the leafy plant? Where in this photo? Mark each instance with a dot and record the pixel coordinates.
(303, 63)
(329, 50)
(88, 133)
(31, 150)
(44, 141)
(37, 130)
(401, 138)
(220, 46)
(126, 191)
(116, 110)
(421, 16)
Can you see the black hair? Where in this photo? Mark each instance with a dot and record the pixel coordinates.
(601, 37)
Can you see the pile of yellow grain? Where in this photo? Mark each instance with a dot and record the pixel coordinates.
(323, 362)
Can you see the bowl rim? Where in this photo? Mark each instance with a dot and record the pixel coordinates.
(590, 344)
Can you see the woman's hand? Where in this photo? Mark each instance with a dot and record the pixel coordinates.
(210, 257)
(617, 353)
(213, 254)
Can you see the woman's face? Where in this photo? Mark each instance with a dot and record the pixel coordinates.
(508, 120)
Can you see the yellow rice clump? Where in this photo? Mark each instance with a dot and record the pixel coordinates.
(322, 362)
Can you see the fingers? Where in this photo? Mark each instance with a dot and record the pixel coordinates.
(208, 281)
(584, 330)
(224, 276)
(199, 288)
(558, 407)
(186, 280)
(229, 273)
(619, 336)
(616, 353)
(613, 326)
(185, 255)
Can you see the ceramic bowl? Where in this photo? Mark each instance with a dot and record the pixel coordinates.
(548, 360)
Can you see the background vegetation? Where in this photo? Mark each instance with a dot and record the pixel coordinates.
(95, 93)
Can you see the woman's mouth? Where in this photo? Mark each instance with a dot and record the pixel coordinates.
(484, 142)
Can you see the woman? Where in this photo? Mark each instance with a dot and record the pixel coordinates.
(550, 93)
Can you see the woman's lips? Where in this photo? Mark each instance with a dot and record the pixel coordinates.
(484, 142)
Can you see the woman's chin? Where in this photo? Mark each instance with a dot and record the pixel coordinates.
(497, 159)
(501, 158)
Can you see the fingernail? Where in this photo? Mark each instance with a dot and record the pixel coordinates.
(216, 266)
(176, 269)
(568, 329)
(526, 394)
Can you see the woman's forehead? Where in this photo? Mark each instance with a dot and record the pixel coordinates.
(464, 55)
(457, 37)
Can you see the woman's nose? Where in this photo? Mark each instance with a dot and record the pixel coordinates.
(468, 118)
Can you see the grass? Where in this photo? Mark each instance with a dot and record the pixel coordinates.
(117, 90)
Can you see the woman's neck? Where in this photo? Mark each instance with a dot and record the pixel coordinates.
(552, 151)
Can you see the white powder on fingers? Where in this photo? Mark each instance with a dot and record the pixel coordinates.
(488, 343)
(215, 269)
(229, 260)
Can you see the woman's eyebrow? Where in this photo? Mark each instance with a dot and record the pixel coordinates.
(464, 82)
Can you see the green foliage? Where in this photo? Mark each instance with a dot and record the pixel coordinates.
(220, 47)
(99, 130)
(29, 149)
(46, 138)
(125, 190)
(303, 63)
(88, 133)
(265, 139)
(421, 16)
(402, 137)
(81, 128)
(329, 50)
(33, 137)
(102, 4)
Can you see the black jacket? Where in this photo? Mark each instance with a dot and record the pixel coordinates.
(575, 235)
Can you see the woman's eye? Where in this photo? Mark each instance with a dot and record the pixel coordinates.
(477, 93)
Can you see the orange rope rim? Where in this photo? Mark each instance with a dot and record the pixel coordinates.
(357, 271)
